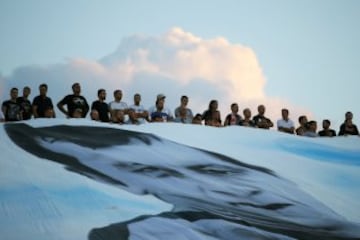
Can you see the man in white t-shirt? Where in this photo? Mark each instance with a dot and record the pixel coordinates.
(137, 112)
(285, 124)
(118, 109)
(159, 113)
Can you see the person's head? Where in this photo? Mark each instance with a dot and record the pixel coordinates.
(302, 120)
(14, 93)
(311, 126)
(137, 98)
(101, 94)
(348, 115)
(326, 124)
(94, 115)
(160, 101)
(213, 105)
(247, 113)
(78, 113)
(184, 100)
(43, 89)
(197, 119)
(234, 108)
(76, 88)
(26, 91)
(118, 95)
(285, 113)
(261, 110)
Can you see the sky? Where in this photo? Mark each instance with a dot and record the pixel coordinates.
(303, 55)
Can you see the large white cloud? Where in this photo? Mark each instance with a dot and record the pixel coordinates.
(175, 63)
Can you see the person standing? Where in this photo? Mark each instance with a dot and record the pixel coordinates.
(118, 108)
(247, 122)
(137, 112)
(233, 118)
(310, 131)
(348, 127)
(160, 113)
(99, 108)
(25, 103)
(212, 116)
(42, 105)
(327, 131)
(302, 128)
(75, 103)
(183, 114)
(285, 124)
(260, 120)
(11, 108)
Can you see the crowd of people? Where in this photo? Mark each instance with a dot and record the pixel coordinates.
(117, 111)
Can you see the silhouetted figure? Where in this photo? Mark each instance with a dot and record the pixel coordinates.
(11, 108)
(160, 113)
(138, 114)
(42, 103)
(348, 128)
(260, 120)
(118, 109)
(285, 124)
(101, 107)
(311, 128)
(302, 128)
(197, 119)
(327, 131)
(233, 118)
(212, 115)
(74, 102)
(25, 103)
(183, 114)
(247, 122)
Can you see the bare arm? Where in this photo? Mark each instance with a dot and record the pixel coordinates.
(62, 109)
(4, 109)
(35, 107)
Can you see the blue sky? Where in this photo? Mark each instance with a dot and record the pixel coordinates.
(308, 50)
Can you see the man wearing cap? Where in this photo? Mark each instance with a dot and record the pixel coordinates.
(159, 113)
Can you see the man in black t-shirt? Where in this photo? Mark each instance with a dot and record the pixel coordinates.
(43, 104)
(11, 108)
(74, 102)
(260, 120)
(100, 108)
(25, 104)
(348, 127)
(327, 131)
